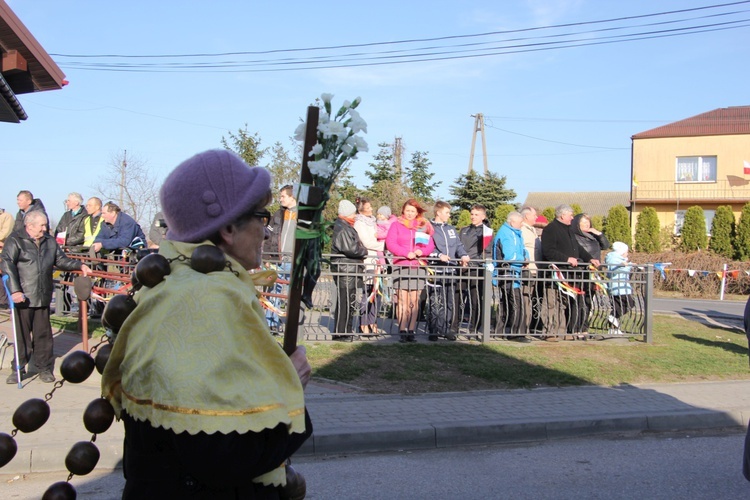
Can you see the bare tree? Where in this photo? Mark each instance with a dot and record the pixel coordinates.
(129, 183)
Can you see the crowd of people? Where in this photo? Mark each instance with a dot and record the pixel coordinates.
(434, 271)
(32, 249)
(546, 277)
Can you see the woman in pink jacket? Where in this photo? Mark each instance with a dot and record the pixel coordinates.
(410, 241)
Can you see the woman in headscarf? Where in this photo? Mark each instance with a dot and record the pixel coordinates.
(592, 241)
(410, 241)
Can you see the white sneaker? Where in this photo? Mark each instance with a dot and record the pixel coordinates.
(615, 331)
(614, 321)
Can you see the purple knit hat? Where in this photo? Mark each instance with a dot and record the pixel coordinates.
(209, 191)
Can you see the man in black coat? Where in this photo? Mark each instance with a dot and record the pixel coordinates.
(559, 245)
(476, 239)
(27, 203)
(69, 231)
(28, 259)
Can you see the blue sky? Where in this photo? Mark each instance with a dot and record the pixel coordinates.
(556, 120)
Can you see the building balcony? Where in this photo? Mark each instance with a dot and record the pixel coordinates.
(732, 190)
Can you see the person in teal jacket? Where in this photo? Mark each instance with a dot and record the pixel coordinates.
(511, 255)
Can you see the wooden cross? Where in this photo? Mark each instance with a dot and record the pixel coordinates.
(305, 217)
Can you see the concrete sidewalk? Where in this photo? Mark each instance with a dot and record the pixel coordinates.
(349, 422)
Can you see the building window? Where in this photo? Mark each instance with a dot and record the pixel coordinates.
(679, 220)
(695, 169)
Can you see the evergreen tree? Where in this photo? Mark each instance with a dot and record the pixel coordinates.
(647, 231)
(501, 215)
(246, 145)
(418, 177)
(722, 232)
(597, 222)
(473, 188)
(576, 208)
(549, 213)
(742, 236)
(693, 235)
(464, 219)
(617, 227)
(382, 167)
(284, 170)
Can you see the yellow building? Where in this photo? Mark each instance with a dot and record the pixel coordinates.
(703, 160)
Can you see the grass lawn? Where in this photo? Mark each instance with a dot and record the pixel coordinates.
(682, 351)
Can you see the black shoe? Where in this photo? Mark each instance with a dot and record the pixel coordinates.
(450, 337)
(432, 338)
(404, 337)
(411, 337)
(13, 377)
(46, 377)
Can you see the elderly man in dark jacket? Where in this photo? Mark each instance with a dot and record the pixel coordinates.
(69, 231)
(28, 258)
(559, 245)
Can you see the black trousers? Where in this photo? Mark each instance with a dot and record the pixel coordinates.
(347, 304)
(34, 336)
(442, 307)
(511, 314)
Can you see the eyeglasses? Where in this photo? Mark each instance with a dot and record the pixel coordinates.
(263, 215)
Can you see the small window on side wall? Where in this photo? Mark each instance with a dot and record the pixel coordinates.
(695, 169)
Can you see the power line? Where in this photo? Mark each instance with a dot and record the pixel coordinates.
(415, 40)
(555, 142)
(428, 53)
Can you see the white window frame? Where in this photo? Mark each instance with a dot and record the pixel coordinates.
(705, 166)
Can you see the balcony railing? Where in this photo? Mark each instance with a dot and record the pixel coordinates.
(672, 191)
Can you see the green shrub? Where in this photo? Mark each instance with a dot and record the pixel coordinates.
(722, 232)
(742, 235)
(501, 215)
(693, 235)
(549, 212)
(647, 231)
(617, 227)
(464, 219)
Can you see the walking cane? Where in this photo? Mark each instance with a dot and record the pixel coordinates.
(12, 306)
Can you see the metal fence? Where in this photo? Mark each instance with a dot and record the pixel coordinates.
(486, 301)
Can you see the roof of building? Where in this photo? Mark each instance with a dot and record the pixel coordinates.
(592, 203)
(26, 66)
(723, 121)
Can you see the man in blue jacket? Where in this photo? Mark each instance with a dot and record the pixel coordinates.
(118, 231)
(508, 247)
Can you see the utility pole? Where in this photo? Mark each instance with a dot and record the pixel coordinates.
(478, 127)
(398, 148)
(122, 178)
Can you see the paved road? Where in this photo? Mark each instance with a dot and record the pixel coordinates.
(686, 466)
(711, 308)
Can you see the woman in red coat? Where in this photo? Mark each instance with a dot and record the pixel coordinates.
(410, 241)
